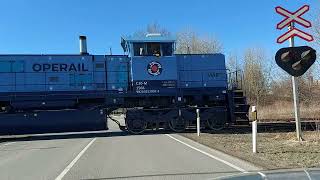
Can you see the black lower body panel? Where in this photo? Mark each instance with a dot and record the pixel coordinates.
(54, 121)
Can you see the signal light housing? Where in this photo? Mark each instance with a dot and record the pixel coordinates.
(296, 60)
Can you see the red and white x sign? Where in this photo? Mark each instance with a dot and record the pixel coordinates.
(294, 32)
(293, 17)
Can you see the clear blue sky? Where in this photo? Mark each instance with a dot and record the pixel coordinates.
(53, 26)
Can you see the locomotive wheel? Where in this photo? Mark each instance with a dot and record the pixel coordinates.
(178, 124)
(213, 124)
(136, 126)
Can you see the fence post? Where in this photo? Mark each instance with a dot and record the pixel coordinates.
(254, 130)
(198, 122)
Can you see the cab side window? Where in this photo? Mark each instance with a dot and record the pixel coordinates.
(166, 49)
(139, 49)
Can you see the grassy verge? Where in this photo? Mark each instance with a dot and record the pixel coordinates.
(284, 110)
(275, 150)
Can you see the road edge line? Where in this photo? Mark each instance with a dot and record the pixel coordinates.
(209, 155)
(74, 161)
(6, 144)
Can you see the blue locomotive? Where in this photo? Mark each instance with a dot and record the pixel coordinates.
(157, 89)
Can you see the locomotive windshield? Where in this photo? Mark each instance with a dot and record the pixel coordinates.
(152, 49)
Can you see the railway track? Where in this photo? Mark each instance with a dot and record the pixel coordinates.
(278, 125)
(265, 125)
(289, 125)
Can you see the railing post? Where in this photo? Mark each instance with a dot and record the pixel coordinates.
(237, 78)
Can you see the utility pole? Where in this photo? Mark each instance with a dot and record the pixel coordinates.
(295, 95)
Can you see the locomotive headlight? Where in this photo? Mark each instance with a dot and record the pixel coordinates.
(224, 92)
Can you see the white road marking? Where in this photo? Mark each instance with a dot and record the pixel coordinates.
(6, 144)
(308, 175)
(262, 175)
(209, 155)
(73, 162)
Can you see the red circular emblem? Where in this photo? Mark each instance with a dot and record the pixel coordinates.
(154, 68)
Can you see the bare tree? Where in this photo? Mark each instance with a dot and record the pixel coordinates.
(281, 89)
(233, 63)
(151, 29)
(255, 76)
(316, 43)
(156, 28)
(189, 42)
(316, 28)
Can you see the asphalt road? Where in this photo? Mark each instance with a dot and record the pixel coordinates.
(114, 155)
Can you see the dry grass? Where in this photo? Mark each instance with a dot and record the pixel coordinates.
(284, 110)
(275, 150)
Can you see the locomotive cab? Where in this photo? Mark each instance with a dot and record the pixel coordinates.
(150, 45)
(153, 66)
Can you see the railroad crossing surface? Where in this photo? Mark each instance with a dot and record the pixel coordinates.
(114, 155)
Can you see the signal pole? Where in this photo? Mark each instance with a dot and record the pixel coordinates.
(295, 95)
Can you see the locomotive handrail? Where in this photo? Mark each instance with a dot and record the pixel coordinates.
(236, 79)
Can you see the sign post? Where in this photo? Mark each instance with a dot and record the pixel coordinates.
(295, 95)
(290, 19)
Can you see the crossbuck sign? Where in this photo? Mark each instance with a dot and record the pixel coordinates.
(293, 17)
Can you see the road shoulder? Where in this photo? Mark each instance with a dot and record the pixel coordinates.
(229, 159)
(275, 150)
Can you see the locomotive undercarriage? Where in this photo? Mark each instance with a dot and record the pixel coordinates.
(179, 116)
(173, 113)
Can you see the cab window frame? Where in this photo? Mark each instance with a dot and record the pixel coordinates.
(152, 48)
